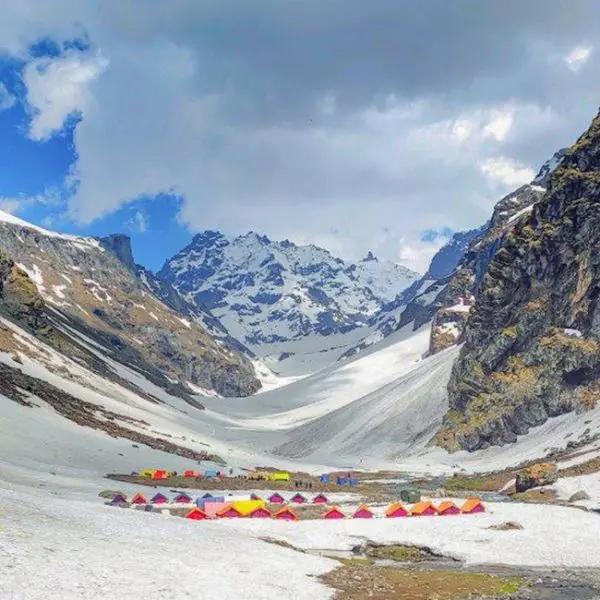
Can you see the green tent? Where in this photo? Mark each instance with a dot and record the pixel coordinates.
(411, 495)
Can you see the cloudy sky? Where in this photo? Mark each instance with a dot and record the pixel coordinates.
(357, 125)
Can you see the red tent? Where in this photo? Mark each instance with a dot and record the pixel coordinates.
(139, 499)
(196, 514)
(191, 474)
(260, 513)
(396, 510)
(334, 513)
(320, 499)
(160, 474)
(448, 508)
(182, 499)
(298, 498)
(363, 512)
(276, 498)
(286, 514)
(254, 496)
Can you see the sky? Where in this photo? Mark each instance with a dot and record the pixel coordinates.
(383, 125)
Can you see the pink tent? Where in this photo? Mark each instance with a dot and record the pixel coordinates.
(212, 508)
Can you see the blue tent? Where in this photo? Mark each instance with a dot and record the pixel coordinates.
(325, 478)
(207, 495)
(211, 474)
(353, 481)
(342, 480)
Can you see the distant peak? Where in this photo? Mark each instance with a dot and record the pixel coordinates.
(119, 244)
(369, 257)
(208, 237)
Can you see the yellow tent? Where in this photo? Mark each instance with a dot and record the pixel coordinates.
(280, 476)
(147, 472)
(259, 475)
(245, 507)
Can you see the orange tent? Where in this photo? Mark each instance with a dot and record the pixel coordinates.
(286, 514)
(139, 499)
(334, 513)
(229, 512)
(363, 512)
(423, 509)
(196, 514)
(448, 508)
(160, 474)
(472, 505)
(396, 510)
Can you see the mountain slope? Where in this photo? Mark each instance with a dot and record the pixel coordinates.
(532, 341)
(267, 292)
(86, 288)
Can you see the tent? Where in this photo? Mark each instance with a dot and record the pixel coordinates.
(448, 508)
(182, 498)
(472, 505)
(363, 512)
(229, 512)
(320, 499)
(245, 507)
(211, 474)
(260, 512)
(119, 499)
(276, 498)
(212, 508)
(196, 514)
(160, 474)
(159, 499)
(207, 495)
(334, 513)
(139, 499)
(286, 514)
(325, 478)
(254, 496)
(396, 510)
(423, 509)
(342, 480)
(147, 472)
(280, 476)
(411, 495)
(298, 498)
(353, 481)
(191, 474)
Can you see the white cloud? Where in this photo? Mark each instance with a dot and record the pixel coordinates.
(506, 172)
(139, 222)
(58, 88)
(7, 100)
(578, 57)
(10, 205)
(500, 124)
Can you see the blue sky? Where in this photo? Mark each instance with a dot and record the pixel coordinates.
(31, 168)
(226, 115)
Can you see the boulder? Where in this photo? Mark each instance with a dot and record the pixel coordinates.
(536, 476)
(508, 526)
(579, 496)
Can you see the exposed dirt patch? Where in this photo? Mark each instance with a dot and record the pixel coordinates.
(360, 581)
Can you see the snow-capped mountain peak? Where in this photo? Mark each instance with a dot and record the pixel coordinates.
(267, 291)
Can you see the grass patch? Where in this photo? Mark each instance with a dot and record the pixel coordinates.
(398, 553)
(536, 496)
(478, 483)
(359, 581)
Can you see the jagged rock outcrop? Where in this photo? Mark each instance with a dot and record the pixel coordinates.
(536, 476)
(453, 305)
(532, 341)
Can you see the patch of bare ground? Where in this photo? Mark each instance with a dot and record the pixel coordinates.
(360, 580)
(536, 496)
(585, 468)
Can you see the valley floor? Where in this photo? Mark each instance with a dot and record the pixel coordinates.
(59, 540)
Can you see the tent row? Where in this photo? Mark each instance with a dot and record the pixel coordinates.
(211, 507)
(158, 474)
(421, 509)
(183, 498)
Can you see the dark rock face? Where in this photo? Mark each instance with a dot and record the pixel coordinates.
(120, 245)
(532, 341)
(454, 304)
(536, 476)
(445, 261)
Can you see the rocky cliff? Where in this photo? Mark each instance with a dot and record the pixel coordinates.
(532, 340)
(85, 286)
